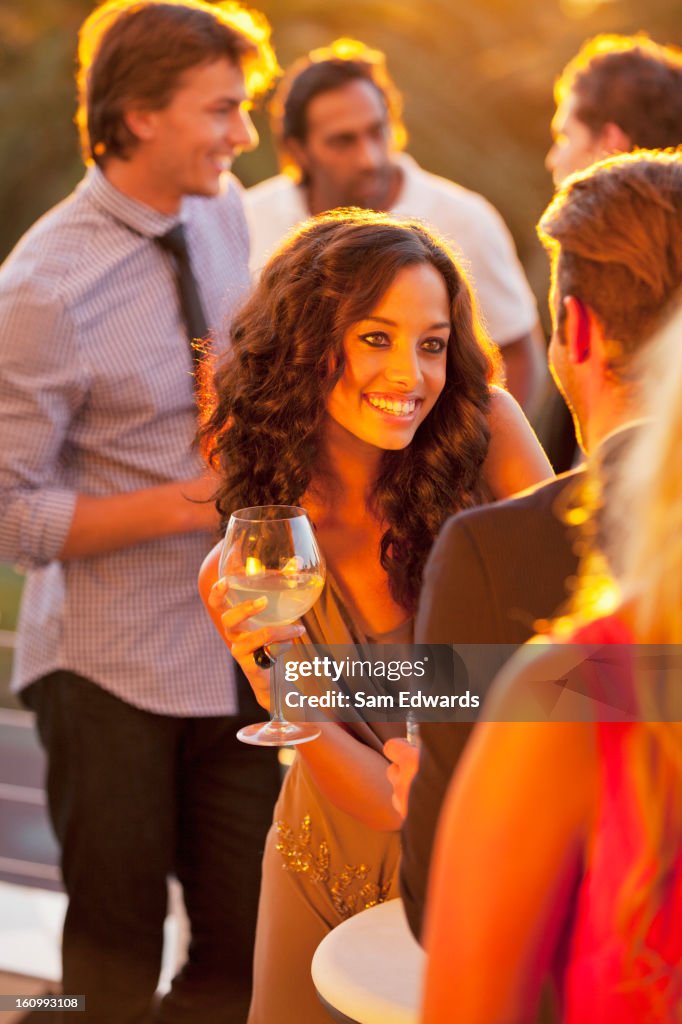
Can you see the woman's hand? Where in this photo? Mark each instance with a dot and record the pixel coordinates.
(404, 760)
(243, 640)
(233, 625)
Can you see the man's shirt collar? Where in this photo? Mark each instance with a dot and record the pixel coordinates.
(135, 215)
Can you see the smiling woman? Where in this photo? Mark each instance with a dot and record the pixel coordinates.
(360, 386)
(291, 404)
(395, 361)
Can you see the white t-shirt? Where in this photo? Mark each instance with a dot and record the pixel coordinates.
(471, 225)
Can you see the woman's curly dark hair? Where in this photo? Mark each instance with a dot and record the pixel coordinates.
(265, 431)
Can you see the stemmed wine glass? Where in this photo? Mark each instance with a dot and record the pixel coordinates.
(270, 551)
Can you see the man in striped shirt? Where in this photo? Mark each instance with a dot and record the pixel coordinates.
(103, 501)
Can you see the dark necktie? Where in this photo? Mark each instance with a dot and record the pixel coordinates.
(192, 313)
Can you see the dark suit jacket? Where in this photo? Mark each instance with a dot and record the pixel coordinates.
(493, 572)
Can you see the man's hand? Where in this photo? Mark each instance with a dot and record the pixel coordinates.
(405, 762)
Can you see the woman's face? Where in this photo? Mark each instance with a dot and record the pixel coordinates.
(395, 361)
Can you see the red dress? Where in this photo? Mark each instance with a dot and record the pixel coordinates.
(603, 983)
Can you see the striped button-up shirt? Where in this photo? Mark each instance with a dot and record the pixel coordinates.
(96, 398)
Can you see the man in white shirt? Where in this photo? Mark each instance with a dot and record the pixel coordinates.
(337, 123)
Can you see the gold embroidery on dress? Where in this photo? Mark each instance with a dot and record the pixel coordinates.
(300, 857)
(298, 854)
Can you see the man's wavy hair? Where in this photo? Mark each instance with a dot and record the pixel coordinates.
(614, 236)
(134, 53)
(265, 434)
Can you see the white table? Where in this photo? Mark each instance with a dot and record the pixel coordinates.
(369, 969)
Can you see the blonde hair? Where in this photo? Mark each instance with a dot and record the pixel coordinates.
(641, 525)
(646, 513)
(647, 507)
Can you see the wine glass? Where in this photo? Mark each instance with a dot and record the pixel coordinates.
(270, 551)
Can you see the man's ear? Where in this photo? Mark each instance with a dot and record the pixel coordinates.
(614, 140)
(142, 123)
(578, 329)
(298, 153)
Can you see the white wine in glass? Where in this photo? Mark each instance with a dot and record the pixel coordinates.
(290, 594)
(270, 551)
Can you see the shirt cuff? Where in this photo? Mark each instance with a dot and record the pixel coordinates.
(44, 521)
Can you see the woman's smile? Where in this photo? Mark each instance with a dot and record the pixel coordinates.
(393, 405)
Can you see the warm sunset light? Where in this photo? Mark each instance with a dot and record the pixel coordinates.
(341, 511)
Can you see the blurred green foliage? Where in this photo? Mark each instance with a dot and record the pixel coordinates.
(476, 77)
(10, 590)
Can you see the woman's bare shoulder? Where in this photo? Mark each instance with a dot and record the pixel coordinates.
(515, 458)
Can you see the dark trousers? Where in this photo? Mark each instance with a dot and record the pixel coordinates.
(133, 798)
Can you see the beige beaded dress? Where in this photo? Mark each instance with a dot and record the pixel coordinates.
(320, 865)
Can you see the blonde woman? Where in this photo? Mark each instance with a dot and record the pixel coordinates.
(562, 841)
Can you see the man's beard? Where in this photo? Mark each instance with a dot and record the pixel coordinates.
(371, 191)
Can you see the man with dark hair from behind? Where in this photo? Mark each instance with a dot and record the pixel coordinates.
(105, 503)
(337, 123)
(617, 94)
(495, 574)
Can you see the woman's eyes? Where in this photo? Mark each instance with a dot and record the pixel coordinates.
(434, 345)
(379, 339)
